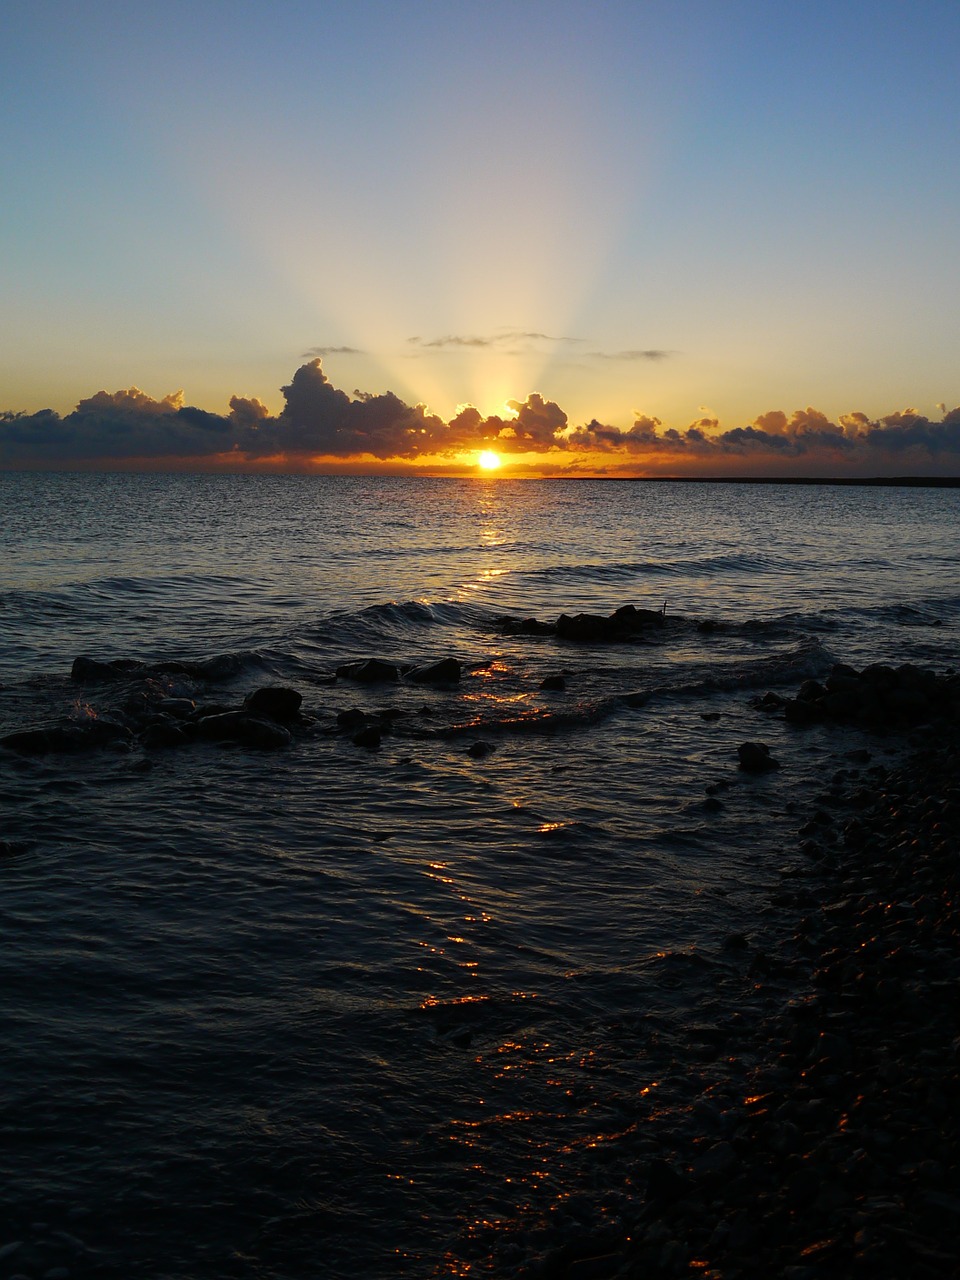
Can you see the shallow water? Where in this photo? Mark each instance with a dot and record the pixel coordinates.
(265, 1008)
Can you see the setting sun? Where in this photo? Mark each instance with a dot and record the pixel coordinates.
(488, 460)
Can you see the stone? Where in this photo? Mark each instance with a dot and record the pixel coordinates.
(446, 671)
(755, 757)
(479, 749)
(163, 734)
(368, 737)
(86, 670)
(802, 711)
(553, 684)
(525, 627)
(274, 702)
(370, 671)
(181, 708)
(238, 726)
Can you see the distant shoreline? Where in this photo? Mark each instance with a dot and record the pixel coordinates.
(885, 482)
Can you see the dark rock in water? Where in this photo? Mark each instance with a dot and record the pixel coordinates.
(713, 805)
(554, 684)
(181, 708)
(368, 738)
(810, 690)
(446, 671)
(707, 625)
(220, 667)
(665, 1182)
(479, 749)
(39, 742)
(274, 702)
(587, 627)
(755, 757)
(710, 716)
(802, 711)
(370, 671)
(769, 702)
(352, 718)
(525, 627)
(163, 734)
(595, 628)
(238, 726)
(91, 671)
(84, 736)
(629, 618)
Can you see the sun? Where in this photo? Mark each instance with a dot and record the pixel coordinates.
(487, 460)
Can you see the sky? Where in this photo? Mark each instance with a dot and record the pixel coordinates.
(697, 236)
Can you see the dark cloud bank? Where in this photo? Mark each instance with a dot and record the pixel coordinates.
(318, 421)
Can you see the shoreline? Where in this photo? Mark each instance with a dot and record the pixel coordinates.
(820, 1133)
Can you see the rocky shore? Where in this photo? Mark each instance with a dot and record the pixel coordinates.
(818, 1132)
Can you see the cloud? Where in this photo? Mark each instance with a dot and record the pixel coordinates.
(320, 421)
(509, 340)
(653, 354)
(312, 353)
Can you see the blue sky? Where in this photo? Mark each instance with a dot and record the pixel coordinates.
(670, 209)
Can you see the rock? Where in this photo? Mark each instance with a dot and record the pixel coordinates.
(368, 737)
(352, 718)
(370, 671)
(755, 757)
(630, 618)
(274, 702)
(802, 711)
(665, 1182)
(525, 627)
(553, 684)
(238, 726)
(590, 627)
(810, 690)
(86, 670)
(446, 671)
(479, 749)
(163, 734)
(181, 708)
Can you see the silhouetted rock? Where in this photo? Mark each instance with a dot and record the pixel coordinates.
(755, 757)
(370, 671)
(274, 702)
(368, 738)
(86, 670)
(588, 627)
(479, 749)
(555, 684)
(446, 671)
(525, 627)
(163, 734)
(238, 726)
(180, 708)
(352, 718)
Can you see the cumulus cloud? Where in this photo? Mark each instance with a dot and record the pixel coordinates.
(320, 421)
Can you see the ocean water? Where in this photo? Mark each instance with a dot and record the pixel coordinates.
(327, 1011)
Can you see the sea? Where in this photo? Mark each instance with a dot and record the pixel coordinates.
(335, 1010)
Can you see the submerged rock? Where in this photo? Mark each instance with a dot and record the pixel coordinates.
(370, 671)
(446, 671)
(755, 757)
(86, 670)
(238, 726)
(274, 702)
(554, 684)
